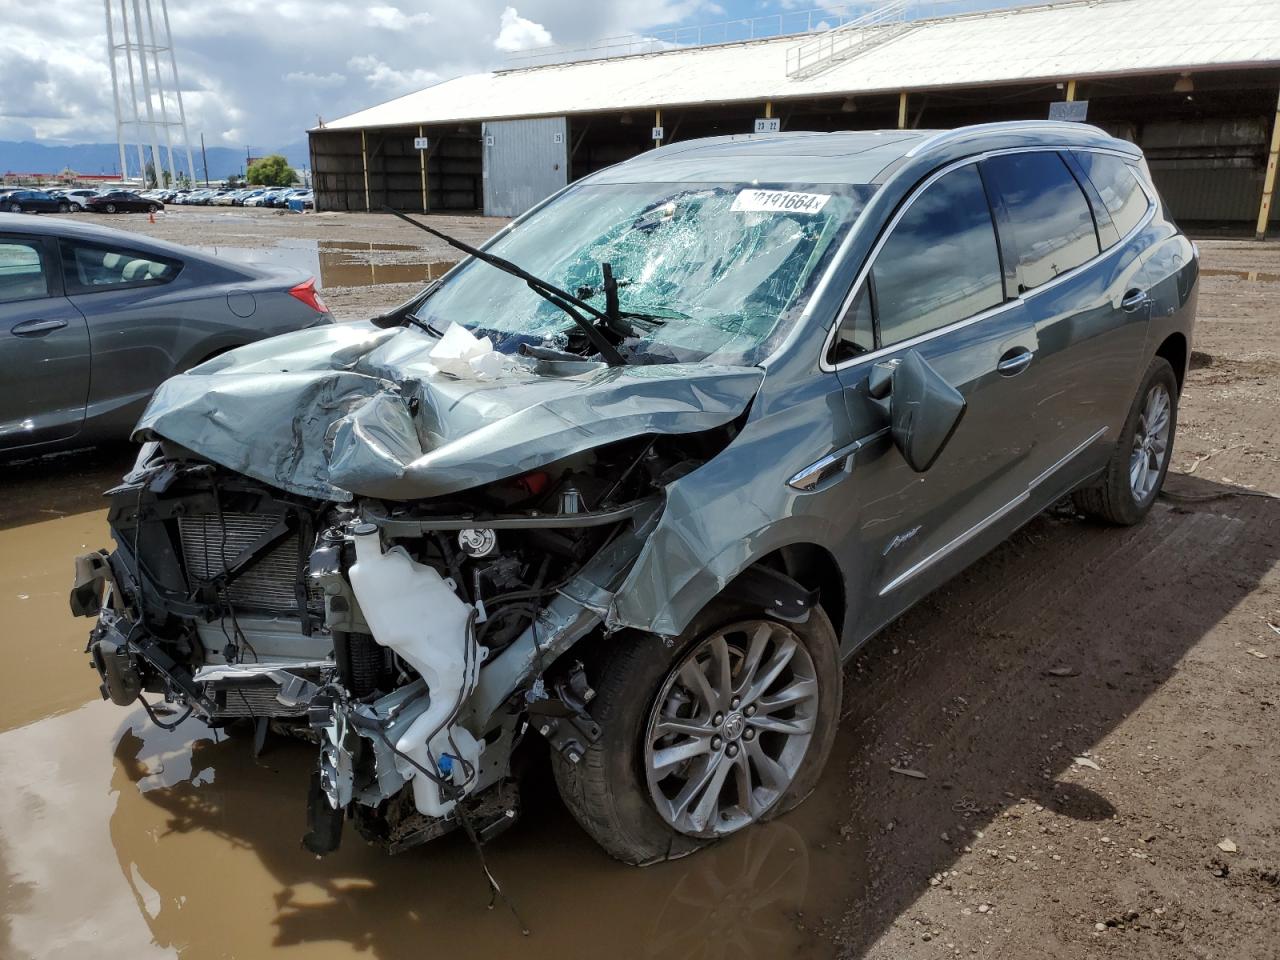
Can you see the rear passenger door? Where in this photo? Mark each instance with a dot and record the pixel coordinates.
(1089, 315)
(135, 317)
(936, 285)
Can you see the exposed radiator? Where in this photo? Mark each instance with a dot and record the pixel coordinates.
(210, 543)
(256, 699)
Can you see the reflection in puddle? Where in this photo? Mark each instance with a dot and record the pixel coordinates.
(1253, 276)
(119, 839)
(342, 263)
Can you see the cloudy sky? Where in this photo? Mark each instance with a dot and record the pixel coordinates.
(258, 73)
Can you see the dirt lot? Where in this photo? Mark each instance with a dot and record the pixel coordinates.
(1087, 717)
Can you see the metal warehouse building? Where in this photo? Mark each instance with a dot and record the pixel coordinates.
(1196, 83)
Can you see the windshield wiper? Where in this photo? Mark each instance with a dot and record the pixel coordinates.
(552, 294)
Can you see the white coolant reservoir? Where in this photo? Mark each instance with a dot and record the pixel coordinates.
(411, 609)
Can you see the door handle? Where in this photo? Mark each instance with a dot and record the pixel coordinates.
(1015, 361)
(1135, 300)
(36, 328)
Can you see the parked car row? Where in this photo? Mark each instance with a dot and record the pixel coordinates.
(22, 200)
(246, 197)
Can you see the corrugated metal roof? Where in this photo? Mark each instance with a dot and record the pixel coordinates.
(1063, 41)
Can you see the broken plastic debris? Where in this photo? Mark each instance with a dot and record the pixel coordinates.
(908, 773)
(1086, 762)
(1062, 672)
(1259, 654)
(1227, 845)
(465, 355)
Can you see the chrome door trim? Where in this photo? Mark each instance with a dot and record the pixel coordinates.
(807, 479)
(951, 547)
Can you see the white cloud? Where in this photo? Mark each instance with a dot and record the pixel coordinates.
(315, 79)
(390, 80)
(393, 18)
(517, 33)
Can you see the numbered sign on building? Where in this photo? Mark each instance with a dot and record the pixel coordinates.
(421, 143)
(768, 125)
(657, 133)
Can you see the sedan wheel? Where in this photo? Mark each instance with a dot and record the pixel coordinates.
(730, 727)
(111, 208)
(15, 208)
(64, 208)
(1150, 443)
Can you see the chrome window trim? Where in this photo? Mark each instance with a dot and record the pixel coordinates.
(825, 364)
(952, 546)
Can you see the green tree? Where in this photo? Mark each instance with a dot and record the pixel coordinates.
(271, 171)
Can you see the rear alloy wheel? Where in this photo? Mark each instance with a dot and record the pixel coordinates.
(64, 208)
(728, 725)
(111, 208)
(15, 208)
(1133, 477)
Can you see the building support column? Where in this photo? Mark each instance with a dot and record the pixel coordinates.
(902, 110)
(768, 109)
(422, 157)
(1071, 90)
(657, 122)
(364, 162)
(1269, 178)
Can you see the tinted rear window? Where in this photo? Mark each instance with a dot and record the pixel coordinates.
(1048, 215)
(1118, 186)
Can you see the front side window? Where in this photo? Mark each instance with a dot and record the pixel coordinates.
(22, 275)
(940, 263)
(1118, 186)
(705, 271)
(1047, 212)
(87, 267)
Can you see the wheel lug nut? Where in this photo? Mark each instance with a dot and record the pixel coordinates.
(734, 703)
(716, 743)
(751, 710)
(748, 734)
(718, 719)
(733, 750)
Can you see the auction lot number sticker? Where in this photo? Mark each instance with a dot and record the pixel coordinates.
(779, 201)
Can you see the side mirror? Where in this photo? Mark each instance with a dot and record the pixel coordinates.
(924, 410)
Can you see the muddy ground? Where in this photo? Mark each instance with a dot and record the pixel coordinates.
(1088, 714)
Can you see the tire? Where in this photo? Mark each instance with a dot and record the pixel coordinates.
(111, 208)
(15, 208)
(155, 208)
(1118, 498)
(609, 790)
(77, 208)
(64, 208)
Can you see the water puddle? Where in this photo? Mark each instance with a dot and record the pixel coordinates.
(119, 839)
(1253, 276)
(342, 263)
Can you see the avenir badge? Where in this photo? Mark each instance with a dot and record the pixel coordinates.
(779, 201)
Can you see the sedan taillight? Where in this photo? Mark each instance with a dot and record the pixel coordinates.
(306, 292)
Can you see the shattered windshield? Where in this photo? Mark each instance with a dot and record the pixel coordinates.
(704, 271)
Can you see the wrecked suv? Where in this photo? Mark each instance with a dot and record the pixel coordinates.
(632, 481)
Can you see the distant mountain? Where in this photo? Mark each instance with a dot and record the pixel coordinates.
(99, 158)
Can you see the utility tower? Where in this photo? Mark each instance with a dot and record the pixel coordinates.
(144, 84)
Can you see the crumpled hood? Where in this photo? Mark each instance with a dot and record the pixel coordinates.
(349, 409)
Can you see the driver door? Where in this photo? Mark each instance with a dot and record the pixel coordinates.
(44, 347)
(936, 286)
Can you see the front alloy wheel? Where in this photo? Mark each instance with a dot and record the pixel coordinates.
(730, 728)
(111, 208)
(700, 736)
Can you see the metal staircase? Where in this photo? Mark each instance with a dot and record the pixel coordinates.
(849, 40)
